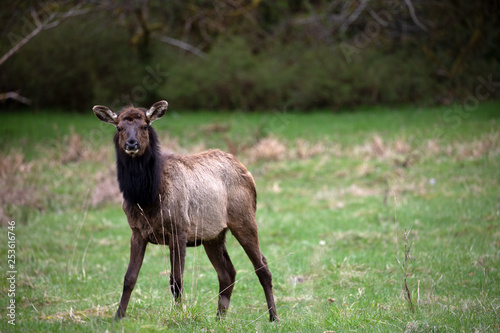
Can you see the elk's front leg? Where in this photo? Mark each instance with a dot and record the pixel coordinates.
(177, 246)
(137, 250)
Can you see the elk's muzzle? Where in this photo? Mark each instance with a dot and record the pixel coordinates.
(131, 147)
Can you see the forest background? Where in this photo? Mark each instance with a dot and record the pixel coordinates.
(247, 55)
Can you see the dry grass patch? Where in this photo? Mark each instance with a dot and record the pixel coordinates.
(377, 147)
(106, 189)
(82, 316)
(306, 149)
(267, 149)
(75, 149)
(352, 236)
(486, 146)
(17, 188)
(216, 128)
(351, 273)
(337, 197)
(403, 185)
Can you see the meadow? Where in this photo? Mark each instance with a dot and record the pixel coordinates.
(350, 206)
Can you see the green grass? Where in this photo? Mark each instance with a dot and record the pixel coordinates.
(332, 211)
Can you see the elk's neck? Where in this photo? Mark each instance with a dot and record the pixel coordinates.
(139, 177)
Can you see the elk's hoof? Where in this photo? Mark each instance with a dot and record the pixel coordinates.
(118, 317)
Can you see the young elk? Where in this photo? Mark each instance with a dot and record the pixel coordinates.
(183, 201)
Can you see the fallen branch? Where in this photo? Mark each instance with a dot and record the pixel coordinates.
(15, 96)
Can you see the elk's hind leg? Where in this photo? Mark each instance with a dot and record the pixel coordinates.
(246, 234)
(217, 253)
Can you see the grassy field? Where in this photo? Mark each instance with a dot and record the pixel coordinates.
(336, 195)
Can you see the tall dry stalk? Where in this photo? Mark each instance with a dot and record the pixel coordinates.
(404, 267)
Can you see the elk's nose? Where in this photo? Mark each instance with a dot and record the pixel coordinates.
(131, 145)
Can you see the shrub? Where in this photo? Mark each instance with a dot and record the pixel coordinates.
(298, 76)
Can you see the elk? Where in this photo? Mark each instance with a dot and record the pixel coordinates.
(182, 201)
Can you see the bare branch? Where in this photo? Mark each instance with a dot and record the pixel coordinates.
(35, 17)
(313, 18)
(413, 16)
(183, 45)
(23, 42)
(53, 20)
(354, 16)
(378, 18)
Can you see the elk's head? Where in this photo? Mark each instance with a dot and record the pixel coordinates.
(132, 125)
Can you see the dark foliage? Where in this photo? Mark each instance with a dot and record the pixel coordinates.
(255, 55)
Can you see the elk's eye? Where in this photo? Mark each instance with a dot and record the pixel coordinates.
(145, 126)
(118, 128)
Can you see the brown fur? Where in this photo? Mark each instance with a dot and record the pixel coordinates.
(199, 198)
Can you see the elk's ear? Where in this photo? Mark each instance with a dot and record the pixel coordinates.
(157, 111)
(105, 114)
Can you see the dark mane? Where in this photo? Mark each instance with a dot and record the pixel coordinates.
(139, 177)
